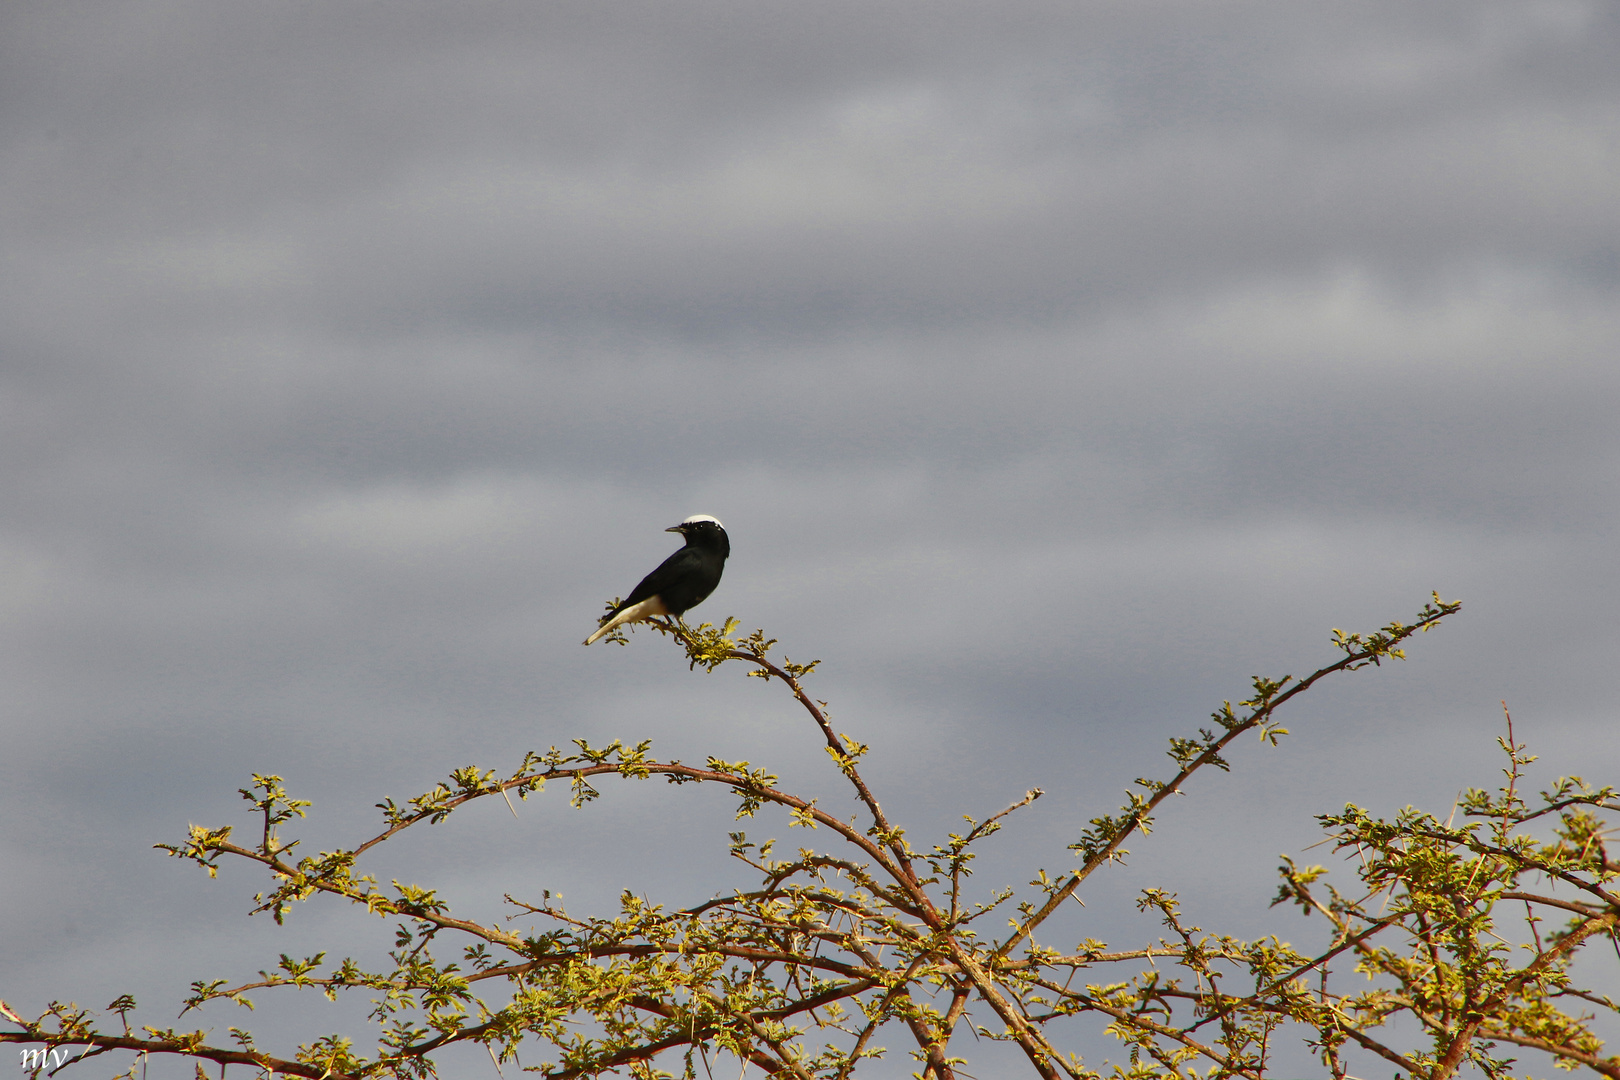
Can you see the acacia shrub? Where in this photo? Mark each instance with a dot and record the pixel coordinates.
(860, 938)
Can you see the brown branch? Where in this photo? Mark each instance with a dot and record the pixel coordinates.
(739, 952)
(1081, 960)
(742, 784)
(879, 820)
(1259, 715)
(183, 1049)
(648, 1051)
(1283, 980)
(1584, 910)
(747, 1020)
(1381, 1050)
(1343, 1028)
(865, 881)
(979, 831)
(1608, 1066)
(373, 900)
(1173, 1034)
(901, 989)
(940, 949)
(1523, 863)
(1040, 1052)
(1452, 1059)
(1602, 1001)
(644, 1052)
(661, 1008)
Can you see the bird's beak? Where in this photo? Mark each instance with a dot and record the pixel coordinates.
(675, 528)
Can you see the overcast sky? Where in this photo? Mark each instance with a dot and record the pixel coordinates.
(1054, 367)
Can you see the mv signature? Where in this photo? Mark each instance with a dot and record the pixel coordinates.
(54, 1058)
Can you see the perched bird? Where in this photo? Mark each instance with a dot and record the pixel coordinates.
(684, 580)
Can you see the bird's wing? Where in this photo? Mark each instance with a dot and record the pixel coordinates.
(670, 570)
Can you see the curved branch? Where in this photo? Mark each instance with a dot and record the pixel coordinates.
(879, 820)
(1609, 1066)
(181, 1048)
(1351, 660)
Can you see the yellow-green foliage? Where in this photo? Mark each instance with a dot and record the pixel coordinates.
(840, 949)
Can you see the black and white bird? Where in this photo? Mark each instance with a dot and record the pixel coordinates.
(684, 580)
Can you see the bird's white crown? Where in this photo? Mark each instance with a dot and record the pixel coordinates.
(695, 518)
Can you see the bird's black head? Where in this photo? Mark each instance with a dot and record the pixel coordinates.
(704, 531)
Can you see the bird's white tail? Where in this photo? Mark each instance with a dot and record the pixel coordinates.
(634, 613)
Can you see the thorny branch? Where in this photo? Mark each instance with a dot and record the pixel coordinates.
(837, 946)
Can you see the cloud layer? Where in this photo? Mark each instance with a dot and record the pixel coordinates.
(1054, 367)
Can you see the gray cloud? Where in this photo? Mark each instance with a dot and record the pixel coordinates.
(1054, 367)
